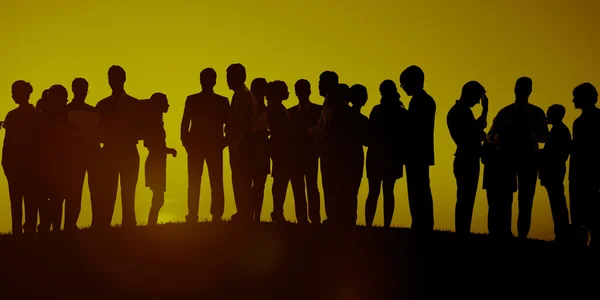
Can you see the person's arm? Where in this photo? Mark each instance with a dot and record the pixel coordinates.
(541, 131)
(482, 120)
(185, 123)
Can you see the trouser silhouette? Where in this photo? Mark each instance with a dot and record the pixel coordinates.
(500, 211)
(80, 165)
(305, 187)
(389, 201)
(120, 163)
(257, 194)
(214, 163)
(22, 189)
(527, 174)
(241, 179)
(329, 186)
(585, 205)
(558, 204)
(420, 199)
(466, 172)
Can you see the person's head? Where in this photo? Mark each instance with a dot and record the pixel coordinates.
(116, 78)
(58, 96)
(159, 103)
(258, 87)
(555, 114)
(302, 89)
(358, 95)
(21, 91)
(585, 96)
(412, 80)
(523, 88)
(327, 81)
(277, 91)
(472, 92)
(236, 76)
(208, 79)
(79, 87)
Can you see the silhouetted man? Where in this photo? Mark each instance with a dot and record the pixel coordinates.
(240, 123)
(84, 160)
(304, 181)
(421, 114)
(553, 168)
(119, 132)
(206, 112)
(584, 168)
(467, 132)
(518, 128)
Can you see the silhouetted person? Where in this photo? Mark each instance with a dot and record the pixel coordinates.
(305, 115)
(20, 158)
(119, 132)
(518, 128)
(280, 145)
(55, 155)
(328, 81)
(468, 134)
(204, 140)
(84, 159)
(584, 167)
(421, 114)
(43, 100)
(154, 136)
(386, 154)
(240, 124)
(553, 168)
(260, 160)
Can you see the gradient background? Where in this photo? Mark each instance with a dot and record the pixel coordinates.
(164, 45)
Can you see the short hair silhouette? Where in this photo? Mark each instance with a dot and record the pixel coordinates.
(158, 102)
(472, 92)
(556, 112)
(258, 88)
(523, 86)
(327, 81)
(79, 86)
(116, 77)
(302, 88)
(58, 95)
(208, 78)
(237, 70)
(22, 88)
(358, 95)
(412, 79)
(586, 92)
(388, 88)
(277, 90)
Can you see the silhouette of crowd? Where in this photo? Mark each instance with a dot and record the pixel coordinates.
(50, 147)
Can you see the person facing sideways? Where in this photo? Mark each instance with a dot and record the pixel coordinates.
(518, 129)
(20, 158)
(305, 156)
(260, 162)
(240, 124)
(119, 132)
(84, 158)
(154, 137)
(468, 135)
(385, 155)
(421, 114)
(55, 158)
(202, 136)
(280, 145)
(553, 167)
(584, 167)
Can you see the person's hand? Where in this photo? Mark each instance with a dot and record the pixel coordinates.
(484, 101)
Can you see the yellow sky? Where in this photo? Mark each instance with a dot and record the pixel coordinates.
(163, 45)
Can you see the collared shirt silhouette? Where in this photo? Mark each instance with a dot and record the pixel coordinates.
(203, 137)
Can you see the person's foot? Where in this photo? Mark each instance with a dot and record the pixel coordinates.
(278, 218)
(191, 219)
(217, 219)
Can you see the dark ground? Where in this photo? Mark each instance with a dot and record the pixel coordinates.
(269, 261)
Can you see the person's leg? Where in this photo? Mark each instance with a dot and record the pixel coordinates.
(328, 181)
(129, 171)
(242, 185)
(109, 177)
(75, 189)
(16, 194)
(419, 197)
(279, 190)
(558, 205)
(214, 163)
(195, 168)
(312, 190)
(372, 198)
(158, 200)
(527, 178)
(258, 195)
(300, 204)
(389, 202)
(466, 171)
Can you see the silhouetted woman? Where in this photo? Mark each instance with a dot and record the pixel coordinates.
(261, 162)
(154, 137)
(385, 156)
(356, 157)
(55, 154)
(19, 155)
(280, 147)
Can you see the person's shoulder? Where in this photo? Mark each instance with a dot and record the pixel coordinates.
(222, 98)
(193, 96)
(538, 110)
(103, 102)
(294, 108)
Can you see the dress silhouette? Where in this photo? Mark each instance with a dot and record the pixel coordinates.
(467, 133)
(386, 153)
(119, 132)
(202, 136)
(305, 115)
(518, 128)
(421, 115)
(260, 162)
(20, 158)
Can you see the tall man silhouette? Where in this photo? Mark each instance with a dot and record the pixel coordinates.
(467, 132)
(304, 180)
(240, 123)
(518, 129)
(119, 132)
(206, 112)
(421, 114)
(584, 168)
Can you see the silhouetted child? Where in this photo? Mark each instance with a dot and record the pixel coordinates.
(387, 123)
(19, 158)
(553, 168)
(261, 161)
(154, 137)
(280, 127)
